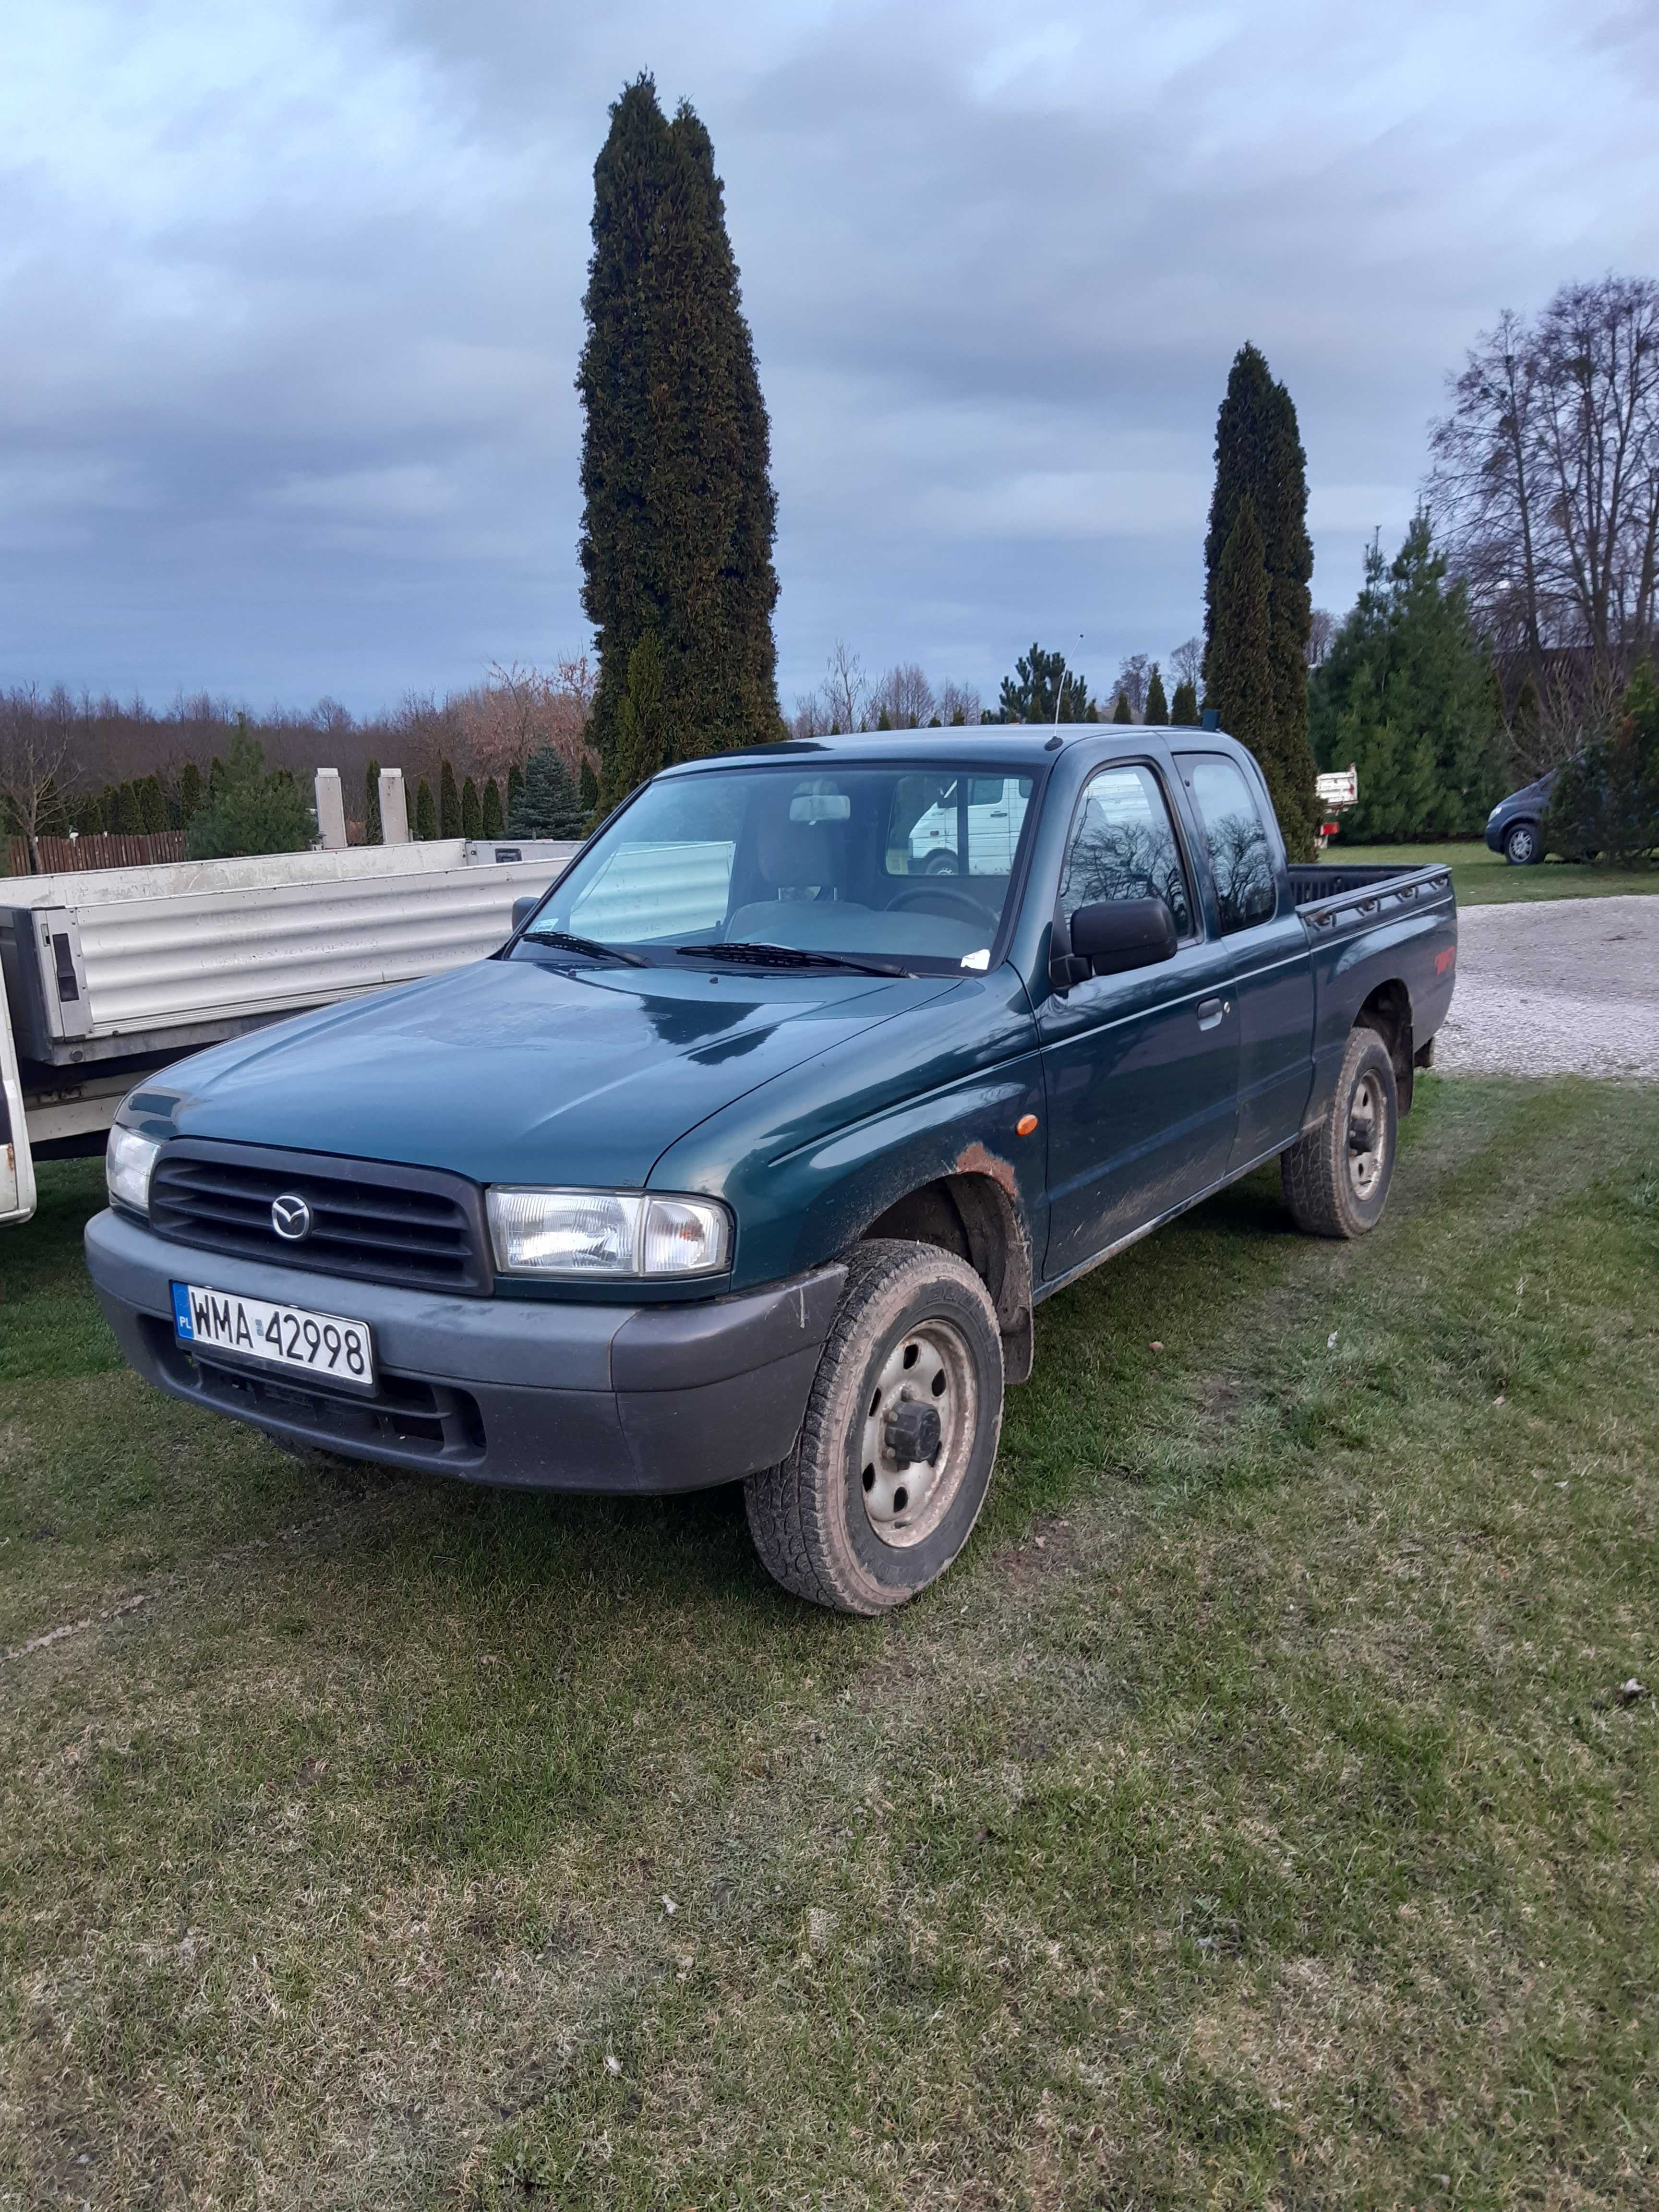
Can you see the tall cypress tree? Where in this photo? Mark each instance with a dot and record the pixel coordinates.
(679, 514)
(1259, 457)
(1183, 707)
(492, 822)
(1240, 661)
(426, 814)
(373, 833)
(1122, 712)
(1157, 704)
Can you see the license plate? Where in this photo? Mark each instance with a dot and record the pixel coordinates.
(277, 1336)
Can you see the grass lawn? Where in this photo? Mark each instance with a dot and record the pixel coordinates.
(1484, 879)
(1252, 1818)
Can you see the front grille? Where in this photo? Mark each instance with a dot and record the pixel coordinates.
(418, 1227)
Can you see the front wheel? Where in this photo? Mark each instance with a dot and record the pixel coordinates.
(895, 1455)
(1336, 1178)
(1523, 847)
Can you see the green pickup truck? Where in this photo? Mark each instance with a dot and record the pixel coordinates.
(752, 1154)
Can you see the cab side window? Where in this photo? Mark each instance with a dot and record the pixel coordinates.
(1124, 846)
(1236, 837)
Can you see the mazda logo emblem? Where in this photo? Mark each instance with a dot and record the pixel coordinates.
(290, 1216)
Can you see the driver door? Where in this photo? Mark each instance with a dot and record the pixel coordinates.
(1142, 1068)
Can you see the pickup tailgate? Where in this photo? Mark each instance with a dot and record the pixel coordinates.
(1373, 929)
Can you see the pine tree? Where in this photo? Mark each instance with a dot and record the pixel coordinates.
(426, 814)
(152, 805)
(126, 818)
(514, 785)
(1122, 711)
(471, 813)
(373, 833)
(250, 811)
(1183, 707)
(679, 514)
(449, 802)
(1041, 690)
(1157, 704)
(491, 821)
(1405, 695)
(547, 805)
(1259, 457)
(192, 791)
(1240, 667)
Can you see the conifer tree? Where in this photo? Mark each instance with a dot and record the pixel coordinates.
(1157, 705)
(588, 785)
(192, 792)
(152, 805)
(1259, 457)
(547, 805)
(426, 814)
(491, 821)
(1405, 695)
(1122, 712)
(449, 801)
(643, 732)
(514, 785)
(249, 811)
(90, 815)
(373, 832)
(1183, 707)
(1240, 665)
(471, 812)
(126, 818)
(679, 514)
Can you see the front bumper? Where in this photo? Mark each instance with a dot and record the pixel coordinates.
(527, 1394)
(1495, 835)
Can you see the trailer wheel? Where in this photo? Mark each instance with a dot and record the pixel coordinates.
(895, 1455)
(1336, 1178)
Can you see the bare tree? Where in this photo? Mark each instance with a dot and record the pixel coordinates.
(1133, 673)
(37, 763)
(958, 703)
(845, 691)
(1188, 661)
(811, 717)
(1545, 486)
(1322, 629)
(906, 697)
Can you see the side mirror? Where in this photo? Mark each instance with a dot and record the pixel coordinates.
(524, 908)
(1119, 934)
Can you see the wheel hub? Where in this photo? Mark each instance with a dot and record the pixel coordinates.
(1366, 1126)
(917, 1432)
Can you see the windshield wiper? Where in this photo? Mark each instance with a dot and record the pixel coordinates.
(564, 942)
(791, 956)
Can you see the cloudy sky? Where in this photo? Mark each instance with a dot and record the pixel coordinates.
(291, 305)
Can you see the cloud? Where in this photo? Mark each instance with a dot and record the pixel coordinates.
(291, 303)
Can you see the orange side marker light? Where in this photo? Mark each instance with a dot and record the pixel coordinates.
(1025, 1124)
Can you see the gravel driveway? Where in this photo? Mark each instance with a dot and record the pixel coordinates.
(1555, 986)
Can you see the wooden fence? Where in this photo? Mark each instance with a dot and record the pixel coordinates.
(62, 855)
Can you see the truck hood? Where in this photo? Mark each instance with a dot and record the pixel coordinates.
(517, 1071)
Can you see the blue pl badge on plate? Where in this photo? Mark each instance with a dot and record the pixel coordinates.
(181, 1320)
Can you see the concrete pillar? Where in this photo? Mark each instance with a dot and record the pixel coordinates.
(394, 808)
(330, 811)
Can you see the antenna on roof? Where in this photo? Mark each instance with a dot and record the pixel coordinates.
(1054, 743)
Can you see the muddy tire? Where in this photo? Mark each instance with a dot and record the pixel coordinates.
(1336, 1178)
(895, 1455)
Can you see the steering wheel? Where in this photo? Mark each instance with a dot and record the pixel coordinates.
(937, 893)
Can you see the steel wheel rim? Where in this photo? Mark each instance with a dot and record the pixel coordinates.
(931, 1362)
(1367, 1133)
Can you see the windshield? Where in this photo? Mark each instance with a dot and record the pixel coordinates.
(880, 865)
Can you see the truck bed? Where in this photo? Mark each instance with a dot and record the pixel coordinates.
(1335, 900)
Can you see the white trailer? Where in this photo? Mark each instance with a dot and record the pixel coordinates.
(109, 974)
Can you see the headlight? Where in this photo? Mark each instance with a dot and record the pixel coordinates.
(603, 1232)
(127, 1164)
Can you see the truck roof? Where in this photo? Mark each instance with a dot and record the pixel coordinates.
(992, 745)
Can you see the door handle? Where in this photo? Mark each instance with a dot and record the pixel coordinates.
(1210, 1012)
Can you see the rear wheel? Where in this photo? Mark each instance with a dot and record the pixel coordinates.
(1336, 1178)
(1523, 847)
(895, 1455)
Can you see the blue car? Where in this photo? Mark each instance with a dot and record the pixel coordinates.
(1515, 827)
